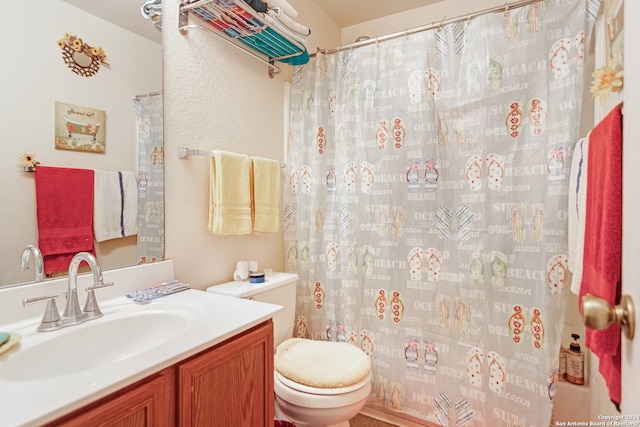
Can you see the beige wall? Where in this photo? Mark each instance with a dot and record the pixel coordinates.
(219, 98)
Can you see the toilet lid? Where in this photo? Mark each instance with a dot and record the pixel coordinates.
(323, 364)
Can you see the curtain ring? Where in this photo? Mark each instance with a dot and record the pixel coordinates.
(506, 7)
(440, 25)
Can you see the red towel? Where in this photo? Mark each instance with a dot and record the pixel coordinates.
(64, 206)
(603, 241)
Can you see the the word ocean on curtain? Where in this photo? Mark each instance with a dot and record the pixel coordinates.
(426, 210)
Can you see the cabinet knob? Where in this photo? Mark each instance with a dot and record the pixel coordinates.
(597, 313)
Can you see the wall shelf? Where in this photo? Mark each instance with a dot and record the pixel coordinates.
(238, 24)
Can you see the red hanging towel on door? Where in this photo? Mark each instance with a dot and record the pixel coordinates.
(603, 241)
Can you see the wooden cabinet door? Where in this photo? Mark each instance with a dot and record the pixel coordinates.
(149, 402)
(230, 384)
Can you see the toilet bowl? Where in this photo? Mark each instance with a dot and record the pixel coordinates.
(316, 383)
(320, 383)
(311, 406)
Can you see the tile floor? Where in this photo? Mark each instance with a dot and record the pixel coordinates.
(364, 421)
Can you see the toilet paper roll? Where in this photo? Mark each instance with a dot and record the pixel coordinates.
(242, 271)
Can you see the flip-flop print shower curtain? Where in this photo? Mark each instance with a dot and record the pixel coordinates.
(426, 210)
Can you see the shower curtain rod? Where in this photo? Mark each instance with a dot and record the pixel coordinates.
(468, 16)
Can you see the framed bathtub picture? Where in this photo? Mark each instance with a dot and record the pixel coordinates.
(80, 128)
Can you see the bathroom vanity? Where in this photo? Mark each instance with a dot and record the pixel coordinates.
(229, 384)
(191, 358)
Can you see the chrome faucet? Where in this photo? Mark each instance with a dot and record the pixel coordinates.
(72, 314)
(37, 260)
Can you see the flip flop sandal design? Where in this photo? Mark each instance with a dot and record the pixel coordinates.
(397, 307)
(537, 217)
(514, 120)
(535, 16)
(332, 103)
(415, 86)
(495, 170)
(460, 37)
(413, 175)
(341, 334)
(510, 22)
(352, 338)
(329, 331)
(399, 132)
(473, 363)
(476, 266)
(473, 172)
(516, 217)
(443, 222)
(367, 177)
(556, 165)
(430, 175)
(414, 263)
(293, 179)
(352, 261)
(442, 41)
(560, 58)
(444, 310)
(474, 71)
(496, 369)
(464, 219)
(411, 353)
(366, 344)
(381, 217)
(321, 140)
(462, 313)
(399, 214)
(349, 177)
(499, 262)
(368, 260)
(537, 328)
(306, 179)
(332, 256)
(319, 221)
(430, 356)
(305, 254)
(302, 330)
(443, 129)
(331, 180)
(578, 40)
(381, 134)
(516, 324)
(381, 303)
(292, 253)
(494, 72)
(433, 259)
(557, 273)
(318, 295)
(432, 82)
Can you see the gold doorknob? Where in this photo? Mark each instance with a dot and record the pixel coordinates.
(597, 313)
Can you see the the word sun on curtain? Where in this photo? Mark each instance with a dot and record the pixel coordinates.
(426, 206)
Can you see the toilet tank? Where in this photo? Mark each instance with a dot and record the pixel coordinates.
(279, 289)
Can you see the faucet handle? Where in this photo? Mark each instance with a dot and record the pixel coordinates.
(51, 317)
(91, 308)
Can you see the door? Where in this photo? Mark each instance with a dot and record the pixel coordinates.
(631, 205)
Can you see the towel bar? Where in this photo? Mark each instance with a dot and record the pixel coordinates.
(184, 153)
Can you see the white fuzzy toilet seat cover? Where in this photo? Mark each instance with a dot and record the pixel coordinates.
(323, 364)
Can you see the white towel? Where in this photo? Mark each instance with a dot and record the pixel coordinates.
(577, 211)
(283, 30)
(285, 19)
(285, 6)
(115, 205)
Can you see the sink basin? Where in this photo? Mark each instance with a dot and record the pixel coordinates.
(125, 331)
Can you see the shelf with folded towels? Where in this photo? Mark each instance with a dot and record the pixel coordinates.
(268, 36)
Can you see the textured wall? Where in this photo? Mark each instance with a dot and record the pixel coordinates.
(219, 98)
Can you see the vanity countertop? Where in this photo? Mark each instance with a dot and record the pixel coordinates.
(42, 398)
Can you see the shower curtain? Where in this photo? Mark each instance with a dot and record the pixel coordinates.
(149, 110)
(426, 209)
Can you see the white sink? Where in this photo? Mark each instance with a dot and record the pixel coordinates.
(125, 331)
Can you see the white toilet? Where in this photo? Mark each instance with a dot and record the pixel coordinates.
(317, 383)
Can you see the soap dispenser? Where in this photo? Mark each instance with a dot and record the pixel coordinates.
(575, 362)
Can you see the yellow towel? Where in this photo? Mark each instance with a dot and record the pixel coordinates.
(230, 191)
(266, 195)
